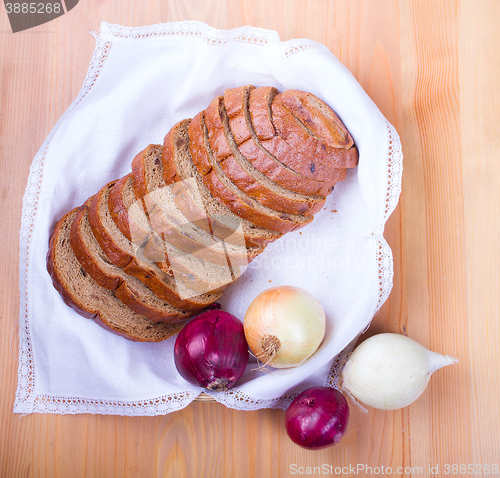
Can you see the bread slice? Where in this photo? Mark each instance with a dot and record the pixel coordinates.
(166, 205)
(317, 118)
(226, 191)
(147, 170)
(257, 111)
(82, 293)
(249, 179)
(233, 103)
(224, 223)
(300, 137)
(131, 291)
(132, 221)
(177, 287)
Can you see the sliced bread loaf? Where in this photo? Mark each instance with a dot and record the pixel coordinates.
(227, 192)
(82, 293)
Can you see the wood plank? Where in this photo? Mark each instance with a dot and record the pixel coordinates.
(437, 302)
(479, 76)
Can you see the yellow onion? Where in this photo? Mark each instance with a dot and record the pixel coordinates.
(284, 326)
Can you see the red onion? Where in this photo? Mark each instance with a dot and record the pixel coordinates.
(211, 350)
(317, 418)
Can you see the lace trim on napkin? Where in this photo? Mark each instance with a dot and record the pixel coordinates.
(27, 399)
(194, 29)
(151, 407)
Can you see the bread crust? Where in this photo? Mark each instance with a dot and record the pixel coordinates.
(139, 169)
(103, 278)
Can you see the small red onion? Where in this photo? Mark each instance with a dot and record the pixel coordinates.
(211, 350)
(317, 418)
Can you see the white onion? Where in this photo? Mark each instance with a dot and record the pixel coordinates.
(284, 326)
(390, 371)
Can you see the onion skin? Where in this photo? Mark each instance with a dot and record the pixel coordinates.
(390, 371)
(211, 350)
(284, 326)
(317, 418)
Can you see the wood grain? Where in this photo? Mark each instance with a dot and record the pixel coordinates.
(433, 68)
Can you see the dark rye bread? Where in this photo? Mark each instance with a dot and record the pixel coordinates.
(300, 137)
(162, 279)
(131, 291)
(226, 191)
(166, 205)
(249, 113)
(224, 223)
(82, 293)
(249, 179)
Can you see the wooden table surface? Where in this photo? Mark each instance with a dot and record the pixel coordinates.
(433, 68)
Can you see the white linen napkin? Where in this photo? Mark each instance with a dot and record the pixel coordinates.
(140, 82)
